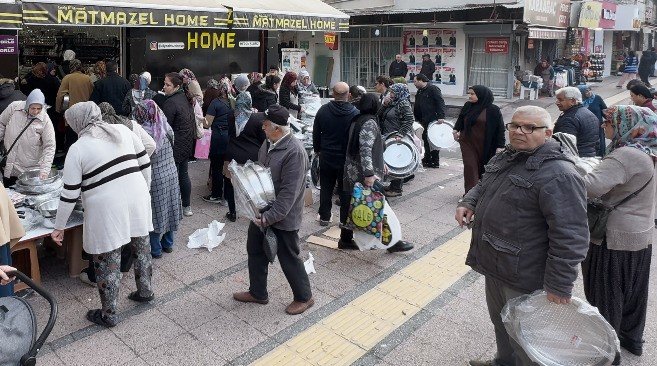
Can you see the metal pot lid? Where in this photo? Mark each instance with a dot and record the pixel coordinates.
(440, 135)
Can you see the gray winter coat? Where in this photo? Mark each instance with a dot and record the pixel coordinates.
(581, 122)
(530, 230)
(288, 163)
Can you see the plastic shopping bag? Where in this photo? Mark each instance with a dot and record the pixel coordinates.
(209, 237)
(560, 334)
(391, 232)
(366, 211)
(202, 150)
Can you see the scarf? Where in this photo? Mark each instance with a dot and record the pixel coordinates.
(588, 101)
(471, 111)
(187, 75)
(109, 115)
(633, 127)
(243, 111)
(398, 93)
(213, 84)
(153, 120)
(85, 118)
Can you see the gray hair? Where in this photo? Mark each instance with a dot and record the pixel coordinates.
(570, 92)
(285, 129)
(540, 113)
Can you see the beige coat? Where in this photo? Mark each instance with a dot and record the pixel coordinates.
(79, 88)
(36, 147)
(11, 229)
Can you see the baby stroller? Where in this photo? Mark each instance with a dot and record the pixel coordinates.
(19, 345)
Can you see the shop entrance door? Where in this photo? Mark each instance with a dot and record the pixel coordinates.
(488, 69)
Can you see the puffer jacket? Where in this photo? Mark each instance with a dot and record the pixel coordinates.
(264, 98)
(583, 124)
(9, 94)
(180, 116)
(530, 230)
(36, 147)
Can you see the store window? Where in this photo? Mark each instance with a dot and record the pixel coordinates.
(367, 54)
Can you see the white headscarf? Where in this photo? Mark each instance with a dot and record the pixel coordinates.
(69, 55)
(86, 118)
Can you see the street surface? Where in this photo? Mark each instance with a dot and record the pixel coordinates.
(424, 307)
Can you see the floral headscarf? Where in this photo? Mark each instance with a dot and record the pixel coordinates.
(110, 116)
(255, 77)
(187, 75)
(85, 118)
(400, 92)
(634, 127)
(153, 120)
(243, 111)
(213, 84)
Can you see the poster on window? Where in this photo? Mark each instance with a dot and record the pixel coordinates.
(437, 53)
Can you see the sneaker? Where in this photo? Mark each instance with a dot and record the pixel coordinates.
(231, 216)
(84, 277)
(217, 200)
(187, 211)
(319, 219)
(324, 222)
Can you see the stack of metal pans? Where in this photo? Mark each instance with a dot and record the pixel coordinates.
(255, 183)
(401, 156)
(29, 182)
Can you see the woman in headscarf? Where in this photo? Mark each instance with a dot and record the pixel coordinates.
(99, 71)
(256, 80)
(642, 97)
(355, 93)
(26, 126)
(305, 86)
(139, 92)
(245, 136)
(220, 115)
(617, 269)
(211, 93)
(480, 131)
(289, 94)
(165, 192)
(191, 86)
(546, 72)
(595, 104)
(64, 69)
(396, 117)
(99, 166)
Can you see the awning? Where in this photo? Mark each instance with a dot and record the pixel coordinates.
(10, 15)
(301, 15)
(546, 33)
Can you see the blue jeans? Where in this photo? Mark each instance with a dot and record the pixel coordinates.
(159, 241)
(5, 258)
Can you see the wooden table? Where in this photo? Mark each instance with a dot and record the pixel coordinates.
(71, 249)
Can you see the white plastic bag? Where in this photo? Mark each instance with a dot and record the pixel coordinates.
(209, 237)
(310, 264)
(559, 335)
(366, 241)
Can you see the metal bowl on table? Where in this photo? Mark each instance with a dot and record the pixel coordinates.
(32, 177)
(48, 209)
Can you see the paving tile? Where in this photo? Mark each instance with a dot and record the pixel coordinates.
(268, 319)
(102, 348)
(182, 350)
(146, 331)
(191, 310)
(331, 282)
(221, 292)
(200, 265)
(228, 336)
(355, 268)
(49, 358)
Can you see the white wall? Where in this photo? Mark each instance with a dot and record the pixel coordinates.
(317, 48)
(608, 47)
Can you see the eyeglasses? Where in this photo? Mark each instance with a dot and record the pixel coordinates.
(526, 129)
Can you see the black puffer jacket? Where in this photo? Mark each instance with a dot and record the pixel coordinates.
(247, 145)
(264, 98)
(583, 124)
(180, 116)
(111, 89)
(429, 105)
(8, 95)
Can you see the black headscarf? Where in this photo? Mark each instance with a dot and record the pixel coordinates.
(368, 105)
(471, 111)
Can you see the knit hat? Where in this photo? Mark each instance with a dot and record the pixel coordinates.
(278, 115)
(35, 97)
(241, 82)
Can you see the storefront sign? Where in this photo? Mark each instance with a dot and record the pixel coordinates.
(331, 41)
(8, 45)
(497, 45)
(608, 18)
(156, 46)
(210, 40)
(65, 14)
(551, 13)
(10, 16)
(249, 44)
(541, 33)
(590, 14)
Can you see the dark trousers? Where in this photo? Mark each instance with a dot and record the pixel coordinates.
(217, 173)
(184, 182)
(5, 258)
(602, 149)
(330, 175)
(288, 257)
(616, 282)
(346, 235)
(229, 194)
(644, 75)
(430, 157)
(509, 353)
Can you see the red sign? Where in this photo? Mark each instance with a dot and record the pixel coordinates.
(497, 45)
(608, 18)
(331, 41)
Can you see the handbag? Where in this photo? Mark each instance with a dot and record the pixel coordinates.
(366, 210)
(598, 214)
(4, 153)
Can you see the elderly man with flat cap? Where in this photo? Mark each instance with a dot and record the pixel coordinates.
(286, 157)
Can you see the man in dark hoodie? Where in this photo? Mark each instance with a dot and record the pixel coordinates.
(330, 136)
(112, 88)
(9, 94)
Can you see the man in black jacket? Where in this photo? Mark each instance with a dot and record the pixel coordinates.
(429, 106)
(647, 65)
(398, 68)
(330, 136)
(112, 88)
(577, 120)
(428, 67)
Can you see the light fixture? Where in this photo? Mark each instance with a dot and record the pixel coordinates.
(377, 32)
(425, 33)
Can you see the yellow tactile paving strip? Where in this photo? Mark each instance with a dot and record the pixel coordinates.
(347, 334)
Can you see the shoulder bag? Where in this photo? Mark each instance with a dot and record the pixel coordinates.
(4, 152)
(598, 214)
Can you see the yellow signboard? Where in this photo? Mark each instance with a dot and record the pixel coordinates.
(590, 14)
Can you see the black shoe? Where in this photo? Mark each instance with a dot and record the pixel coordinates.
(401, 246)
(409, 178)
(96, 316)
(392, 193)
(135, 296)
(167, 250)
(337, 201)
(156, 256)
(347, 245)
(231, 216)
